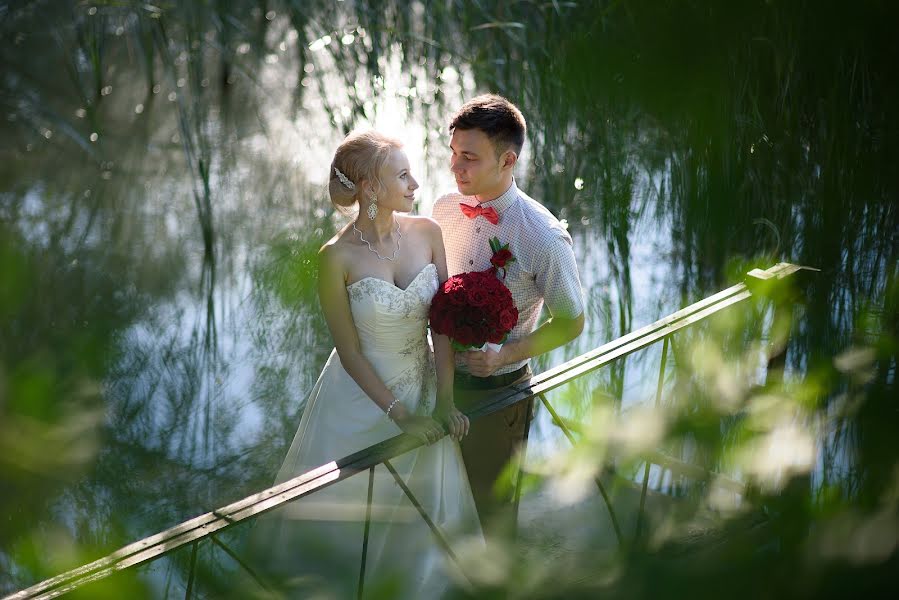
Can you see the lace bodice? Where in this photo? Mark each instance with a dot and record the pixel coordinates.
(392, 323)
(389, 318)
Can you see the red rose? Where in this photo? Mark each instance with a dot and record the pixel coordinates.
(497, 336)
(453, 285)
(508, 318)
(457, 298)
(477, 296)
(501, 257)
(446, 323)
(464, 335)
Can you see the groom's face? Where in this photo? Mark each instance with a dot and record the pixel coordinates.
(474, 163)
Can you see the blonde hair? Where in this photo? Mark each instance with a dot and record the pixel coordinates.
(360, 157)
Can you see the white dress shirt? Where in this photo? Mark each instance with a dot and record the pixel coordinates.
(544, 270)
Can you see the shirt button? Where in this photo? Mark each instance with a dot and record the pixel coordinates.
(471, 262)
(477, 230)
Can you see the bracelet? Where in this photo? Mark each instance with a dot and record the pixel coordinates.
(392, 404)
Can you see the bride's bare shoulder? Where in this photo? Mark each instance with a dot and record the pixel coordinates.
(335, 250)
(339, 240)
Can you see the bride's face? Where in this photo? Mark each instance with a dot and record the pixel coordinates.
(398, 191)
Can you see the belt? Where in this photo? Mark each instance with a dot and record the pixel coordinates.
(466, 381)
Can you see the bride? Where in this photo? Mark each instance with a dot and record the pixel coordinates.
(376, 280)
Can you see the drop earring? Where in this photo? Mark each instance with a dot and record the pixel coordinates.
(372, 206)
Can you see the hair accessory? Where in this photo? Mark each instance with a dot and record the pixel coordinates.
(344, 180)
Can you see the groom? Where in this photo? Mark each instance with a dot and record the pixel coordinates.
(488, 133)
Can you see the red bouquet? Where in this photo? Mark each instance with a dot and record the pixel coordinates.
(476, 308)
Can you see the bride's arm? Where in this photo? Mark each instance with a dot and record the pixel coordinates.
(335, 304)
(444, 355)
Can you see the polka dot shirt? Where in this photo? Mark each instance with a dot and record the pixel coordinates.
(544, 270)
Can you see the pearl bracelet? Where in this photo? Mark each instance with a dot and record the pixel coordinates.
(392, 404)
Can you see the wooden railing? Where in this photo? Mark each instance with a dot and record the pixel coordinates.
(193, 531)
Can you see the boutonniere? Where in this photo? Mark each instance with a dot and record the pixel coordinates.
(501, 256)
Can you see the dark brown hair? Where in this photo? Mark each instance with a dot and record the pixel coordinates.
(497, 117)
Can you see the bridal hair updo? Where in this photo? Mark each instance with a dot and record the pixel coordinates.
(359, 158)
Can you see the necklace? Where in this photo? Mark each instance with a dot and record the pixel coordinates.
(399, 235)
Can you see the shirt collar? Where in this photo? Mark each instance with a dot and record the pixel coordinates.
(504, 200)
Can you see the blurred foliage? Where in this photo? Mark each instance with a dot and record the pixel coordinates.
(137, 279)
(53, 355)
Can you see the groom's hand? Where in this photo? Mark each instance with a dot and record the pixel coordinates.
(483, 364)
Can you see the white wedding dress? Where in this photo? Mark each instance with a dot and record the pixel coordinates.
(316, 542)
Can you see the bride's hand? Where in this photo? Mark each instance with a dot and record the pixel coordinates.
(425, 429)
(455, 422)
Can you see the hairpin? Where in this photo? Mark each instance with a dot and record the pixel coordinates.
(344, 180)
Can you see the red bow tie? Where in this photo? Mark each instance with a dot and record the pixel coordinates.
(488, 213)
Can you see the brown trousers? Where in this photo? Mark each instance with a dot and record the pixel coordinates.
(490, 446)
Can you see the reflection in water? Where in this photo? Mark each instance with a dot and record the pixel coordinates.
(162, 209)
